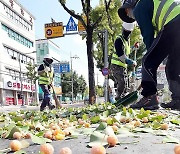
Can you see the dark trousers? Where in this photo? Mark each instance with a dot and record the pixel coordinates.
(47, 95)
(167, 44)
(119, 74)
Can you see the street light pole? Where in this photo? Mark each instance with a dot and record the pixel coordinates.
(72, 80)
(20, 76)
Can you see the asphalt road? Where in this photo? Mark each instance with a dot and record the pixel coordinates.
(145, 144)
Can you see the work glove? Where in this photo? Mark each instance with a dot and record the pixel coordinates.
(47, 69)
(130, 62)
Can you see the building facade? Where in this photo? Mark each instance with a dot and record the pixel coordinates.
(43, 47)
(17, 43)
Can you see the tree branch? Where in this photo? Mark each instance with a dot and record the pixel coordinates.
(83, 6)
(78, 17)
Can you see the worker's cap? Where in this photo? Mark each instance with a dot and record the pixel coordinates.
(122, 10)
(48, 57)
(128, 26)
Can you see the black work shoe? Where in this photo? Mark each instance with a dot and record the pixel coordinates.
(174, 105)
(51, 106)
(148, 103)
(42, 108)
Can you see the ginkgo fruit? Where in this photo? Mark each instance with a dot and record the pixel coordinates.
(164, 126)
(145, 120)
(177, 149)
(112, 140)
(98, 149)
(123, 119)
(115, 128)
(48, 135)
(46, 149)
(17, 135)
(137, 124)
(65, 150)
(15, 145)
(87, 125)
(27, 136)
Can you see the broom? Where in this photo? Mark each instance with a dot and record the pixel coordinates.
(57, 102)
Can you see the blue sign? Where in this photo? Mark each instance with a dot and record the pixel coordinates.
(105, 71)
(71, 25)
(56, 68)
(64, 68)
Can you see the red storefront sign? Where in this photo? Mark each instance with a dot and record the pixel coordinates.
(10, 101)
(17, 86)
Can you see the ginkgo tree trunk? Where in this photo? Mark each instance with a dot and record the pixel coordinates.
(90, 26)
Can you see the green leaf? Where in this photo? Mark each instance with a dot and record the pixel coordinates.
(109, 130)
(170, 139)
(2, 119)
(117, 117)
(17, 118)
(124, 132)
(156, 125)
(175, 121)
(106, 113)
(156, 118)
(87, 131)
(110, 121)
(39, 140)
(10, 132)
(97, 138)
(102, 126)
(24, 143)
(95, 119)
(160, 133)
(20, 152)
(72, 118)
(143, 130)
(85, 117)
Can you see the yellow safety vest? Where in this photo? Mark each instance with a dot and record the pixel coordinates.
(126, 47)
(46, 77)
(164, 11)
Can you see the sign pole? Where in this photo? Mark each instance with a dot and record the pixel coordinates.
(106, 64)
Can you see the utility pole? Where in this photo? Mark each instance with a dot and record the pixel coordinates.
(75, 57)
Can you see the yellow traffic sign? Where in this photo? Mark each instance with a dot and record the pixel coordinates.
(53, 30)
(80, 25)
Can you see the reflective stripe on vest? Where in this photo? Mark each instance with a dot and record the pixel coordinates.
(115, 60)
(164, 11)
(46, 78)
(126, 47)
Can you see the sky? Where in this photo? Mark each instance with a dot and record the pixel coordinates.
(43, 11)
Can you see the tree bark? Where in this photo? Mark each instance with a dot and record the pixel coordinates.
(92, 96)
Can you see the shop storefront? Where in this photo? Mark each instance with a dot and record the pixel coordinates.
(12, 92)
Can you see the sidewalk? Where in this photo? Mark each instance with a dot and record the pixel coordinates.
(17, 107)
(10, 108)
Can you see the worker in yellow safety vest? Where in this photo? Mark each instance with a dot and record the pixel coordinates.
(120, 60)
(46, 75)
(159, 22)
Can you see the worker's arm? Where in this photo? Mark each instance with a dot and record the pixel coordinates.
(143, 14)
(41, 69)
(120, 52)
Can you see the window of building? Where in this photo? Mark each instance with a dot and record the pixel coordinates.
(14, 35)
(16, 18)
(41, 52)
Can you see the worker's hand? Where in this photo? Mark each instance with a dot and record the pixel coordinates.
(134, 63)
(47, 69)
